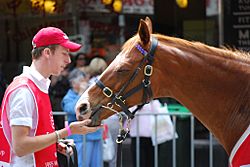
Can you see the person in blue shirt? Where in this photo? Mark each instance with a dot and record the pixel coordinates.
(89, 154)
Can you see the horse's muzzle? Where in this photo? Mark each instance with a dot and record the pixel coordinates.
(85, 112)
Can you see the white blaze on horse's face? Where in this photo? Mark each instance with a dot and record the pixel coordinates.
(83, 105)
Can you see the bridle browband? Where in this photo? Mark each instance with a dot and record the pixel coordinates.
(118, 98)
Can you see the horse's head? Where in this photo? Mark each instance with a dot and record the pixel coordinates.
(126, 82)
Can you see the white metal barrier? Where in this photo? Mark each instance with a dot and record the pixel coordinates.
(193, 142)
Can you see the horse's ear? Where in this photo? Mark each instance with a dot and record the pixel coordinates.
(144, 32)
(149, 23)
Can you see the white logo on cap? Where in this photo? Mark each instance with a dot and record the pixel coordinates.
(33, 44)
(65, 36)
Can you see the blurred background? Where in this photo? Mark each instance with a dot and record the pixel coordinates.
(102, 26)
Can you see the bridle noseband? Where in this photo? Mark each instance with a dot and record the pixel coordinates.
(118, 98)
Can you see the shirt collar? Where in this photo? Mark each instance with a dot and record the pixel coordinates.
(42, 83)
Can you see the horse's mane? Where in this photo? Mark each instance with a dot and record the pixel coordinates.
(227, 52)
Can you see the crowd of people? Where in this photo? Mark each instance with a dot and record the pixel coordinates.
(58, 77)
(80, 77)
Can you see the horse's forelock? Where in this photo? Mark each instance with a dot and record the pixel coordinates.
(130, 43)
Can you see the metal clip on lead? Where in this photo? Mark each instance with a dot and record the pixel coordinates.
(122, 135)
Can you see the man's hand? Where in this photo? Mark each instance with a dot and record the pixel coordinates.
(81, 127)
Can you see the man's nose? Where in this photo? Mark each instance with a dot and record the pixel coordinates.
(69, 59)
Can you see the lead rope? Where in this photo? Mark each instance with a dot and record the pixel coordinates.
(120, 138)
(122, 134)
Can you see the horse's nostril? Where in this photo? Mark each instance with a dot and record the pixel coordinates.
(83, 108)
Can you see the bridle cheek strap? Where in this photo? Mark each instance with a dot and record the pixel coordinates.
(118, 100)
(148, 71)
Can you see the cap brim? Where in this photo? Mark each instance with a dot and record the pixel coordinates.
(72, 46)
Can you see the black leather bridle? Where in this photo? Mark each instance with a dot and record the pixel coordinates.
(118, 98)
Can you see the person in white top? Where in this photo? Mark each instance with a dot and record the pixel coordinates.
(26, 118)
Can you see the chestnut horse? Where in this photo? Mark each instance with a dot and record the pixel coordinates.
(213, 83)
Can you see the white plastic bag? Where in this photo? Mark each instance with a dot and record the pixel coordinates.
(165, 128)
(108, 145)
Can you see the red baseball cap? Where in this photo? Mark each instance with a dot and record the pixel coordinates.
(52, 35)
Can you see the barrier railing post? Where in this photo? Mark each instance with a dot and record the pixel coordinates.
(137, 143)
(174, 142)
(156, 144)
(84, 157)
(210, 149)
(192, 141)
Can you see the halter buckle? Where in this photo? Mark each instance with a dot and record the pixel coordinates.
(120, 98)
(146, 84)
(148, 70)
(107, 92)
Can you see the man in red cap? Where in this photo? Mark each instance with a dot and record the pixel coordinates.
(27, 133)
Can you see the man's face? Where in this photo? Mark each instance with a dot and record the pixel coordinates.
(59, 60)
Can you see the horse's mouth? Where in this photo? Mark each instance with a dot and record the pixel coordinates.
(92, 114)
(95, 116)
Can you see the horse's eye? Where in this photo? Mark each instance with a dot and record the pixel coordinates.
(123, 70)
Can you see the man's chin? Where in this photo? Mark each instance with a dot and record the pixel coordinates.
(57, 73)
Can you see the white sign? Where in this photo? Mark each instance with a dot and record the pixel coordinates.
(212, 7)
(129, 6)
(138, 6)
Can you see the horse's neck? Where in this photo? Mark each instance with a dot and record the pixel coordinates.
(216, 93)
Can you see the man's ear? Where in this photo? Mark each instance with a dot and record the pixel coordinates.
(46, 52)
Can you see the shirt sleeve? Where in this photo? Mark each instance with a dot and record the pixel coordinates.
(21, 107)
